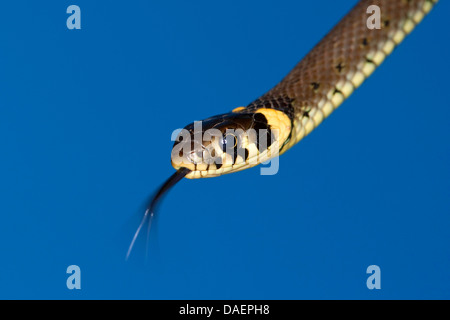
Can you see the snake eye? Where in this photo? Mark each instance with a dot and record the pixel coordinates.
(228, 140)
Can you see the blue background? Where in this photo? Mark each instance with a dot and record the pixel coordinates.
(85, 123)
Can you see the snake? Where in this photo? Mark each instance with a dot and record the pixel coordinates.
(276, 121)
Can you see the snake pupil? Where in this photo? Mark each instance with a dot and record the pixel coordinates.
(228, 141)
(224, 144)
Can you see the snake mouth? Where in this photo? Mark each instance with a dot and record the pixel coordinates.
(215, 170)
(252, 157)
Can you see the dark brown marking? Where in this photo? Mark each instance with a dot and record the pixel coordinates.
(336, 90)
(369, 60)
(315, 86)
(365, 42)
(260, 119)
(264, 139)
(340, 67)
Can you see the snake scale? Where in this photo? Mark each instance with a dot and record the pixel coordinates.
(287, 113)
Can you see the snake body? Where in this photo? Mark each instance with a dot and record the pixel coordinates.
(341, 61)
(316, 86)
(276, 121)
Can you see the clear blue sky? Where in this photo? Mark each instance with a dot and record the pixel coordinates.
(85, 123)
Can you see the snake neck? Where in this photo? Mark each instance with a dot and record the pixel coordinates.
(340, 63)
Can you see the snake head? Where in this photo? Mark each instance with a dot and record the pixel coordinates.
(230, 142)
